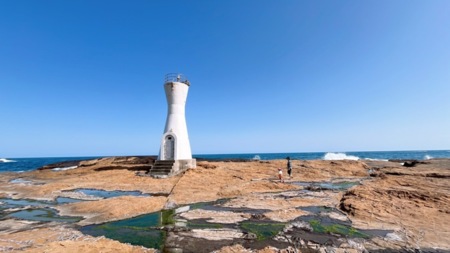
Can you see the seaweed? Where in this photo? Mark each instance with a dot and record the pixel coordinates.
(318, 227)
(263, 231)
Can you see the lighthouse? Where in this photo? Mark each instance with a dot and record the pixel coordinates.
(175, 153)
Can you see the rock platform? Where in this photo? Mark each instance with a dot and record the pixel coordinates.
(412, 203)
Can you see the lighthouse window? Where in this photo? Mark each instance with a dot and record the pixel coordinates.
(169, 138)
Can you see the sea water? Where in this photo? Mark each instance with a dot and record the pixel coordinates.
(370, 155)
(27, 164)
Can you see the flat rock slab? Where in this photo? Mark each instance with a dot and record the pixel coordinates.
(216, 216)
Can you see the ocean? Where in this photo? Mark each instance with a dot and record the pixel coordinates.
(27, 164)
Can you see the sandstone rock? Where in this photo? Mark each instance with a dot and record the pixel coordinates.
(401, 200)
(395, 198)
(215, 216)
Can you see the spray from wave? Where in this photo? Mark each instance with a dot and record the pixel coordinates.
(256, 158)
(428, 157)
(4, 160)
(339, 156)
(373, 159)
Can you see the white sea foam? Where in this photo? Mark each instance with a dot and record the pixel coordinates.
(4, 160)
(339, 156)
(256, 158)
(65, 168)
(428, 157)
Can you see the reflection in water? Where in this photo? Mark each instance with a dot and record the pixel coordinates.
(42, 214)
(140, 230)
(109, 194)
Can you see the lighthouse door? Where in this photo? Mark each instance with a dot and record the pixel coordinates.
(169, 148)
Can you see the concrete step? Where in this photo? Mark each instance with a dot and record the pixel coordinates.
(160, 171)
(162, 167)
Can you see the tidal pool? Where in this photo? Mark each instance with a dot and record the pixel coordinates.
(20, 181)
(262, 229)
(42, 210)
(141, 230)
(11, 203)
(146, 230)
(42, 214)
(319, 226)
(6, 203)
(324, 224)
(338, 185)
(35, 210)
(65, 200)
(317, 209)
(109, 194)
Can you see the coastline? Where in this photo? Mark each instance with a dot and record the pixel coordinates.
(26, 164)
(388, 196)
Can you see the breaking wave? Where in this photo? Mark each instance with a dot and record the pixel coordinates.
(256, 158)
(428, 157)
(4, 160)
(339, 156)
(372, 159)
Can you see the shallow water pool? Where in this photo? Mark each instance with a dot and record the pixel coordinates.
(340, 185)
(140, 230)
(43, 214)
(109, 194)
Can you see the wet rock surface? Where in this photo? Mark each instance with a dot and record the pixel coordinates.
(233, 206)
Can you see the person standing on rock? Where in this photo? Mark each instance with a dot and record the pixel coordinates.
(289, 166)
(280, 175)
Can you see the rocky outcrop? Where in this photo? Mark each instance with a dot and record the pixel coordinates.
(406, 200)
(108, 163)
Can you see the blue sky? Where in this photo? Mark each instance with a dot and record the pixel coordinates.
(85, 78)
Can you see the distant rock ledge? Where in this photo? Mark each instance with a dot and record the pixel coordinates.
(123, 162)
(108, 163)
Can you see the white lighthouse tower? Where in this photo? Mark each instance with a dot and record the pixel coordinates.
(175, 153)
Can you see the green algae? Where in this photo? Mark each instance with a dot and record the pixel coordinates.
(209, 204)
(318, 227)
(339, 186)
(262, 231)
(167, 217)
(196, 225)
(140, 230)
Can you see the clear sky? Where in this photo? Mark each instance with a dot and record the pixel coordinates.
(85, 78)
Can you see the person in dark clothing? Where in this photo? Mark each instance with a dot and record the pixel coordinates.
(289, 166)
